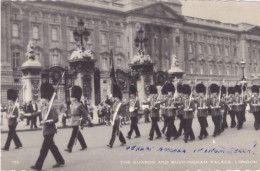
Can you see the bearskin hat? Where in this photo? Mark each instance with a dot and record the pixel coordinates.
(231, 90)
(214, 88)
(132, 89)
(76, 92)
(200, 88)
(223, 90)
(186, 89)
(237, 89)
(117, 92)
(46, 91)
(164, 90)
(153, 89)
(179, 88)
(170, 87)
(255, 89)
(11, 94)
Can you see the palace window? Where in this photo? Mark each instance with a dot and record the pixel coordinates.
(190, 48)
(15, 30)
(119, 62)
(15, 60)
(191, 68)
(103, 39)
(35, 30)
(226, 51)
(155, 42)
(228, 70)
(219, 70)
(218, 50)
(201, 69)
(118, 41)
(71, 36)
(54, 34)
(210, 69)
(105, 63)
(55, 58)
(209, 50)
(235, 51)
(199, 49)
(236, 71)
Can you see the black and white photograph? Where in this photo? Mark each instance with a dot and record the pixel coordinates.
(123, 85)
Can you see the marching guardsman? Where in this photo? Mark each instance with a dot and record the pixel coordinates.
(215, 104)
(225, 108)
(170, 112)
(164, 94)
(188, 107)
(255, 105)
(229, 101)
(179, 100)
(238, 106)
(12, 115)
(134, 106)
(49, 129)
(78, 113)
(154, 110)
(117, 113)
(202, 109)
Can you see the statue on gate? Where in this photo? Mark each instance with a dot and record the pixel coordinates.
(30, 50)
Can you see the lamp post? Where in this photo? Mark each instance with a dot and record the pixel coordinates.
(243, 63)
(80, 33)
(140, 39)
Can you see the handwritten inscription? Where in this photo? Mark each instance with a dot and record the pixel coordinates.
(213, 150)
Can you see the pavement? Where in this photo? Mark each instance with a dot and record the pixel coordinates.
(232, 150)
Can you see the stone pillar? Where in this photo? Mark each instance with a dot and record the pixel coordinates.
(31, 75)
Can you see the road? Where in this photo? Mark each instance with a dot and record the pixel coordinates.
(98, 157)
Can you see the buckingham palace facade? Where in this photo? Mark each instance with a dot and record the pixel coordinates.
(205, 48)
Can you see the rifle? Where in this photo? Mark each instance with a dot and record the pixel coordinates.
(53, 96)
(16, 101)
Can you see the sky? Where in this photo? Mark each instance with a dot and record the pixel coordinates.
(227, 11)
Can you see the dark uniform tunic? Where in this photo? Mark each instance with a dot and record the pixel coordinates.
(49, 129)
(134, 103)
(188, 107)
(238, 105)
(170, 113)
(12, 123)
(202, 113)
(154, 110)
(78, 112)
(215, 111)
(116, 125)
(255, 108)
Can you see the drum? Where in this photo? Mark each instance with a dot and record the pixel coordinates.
(255, 108)
(202, 112)
(238, 107)
(188, 114)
